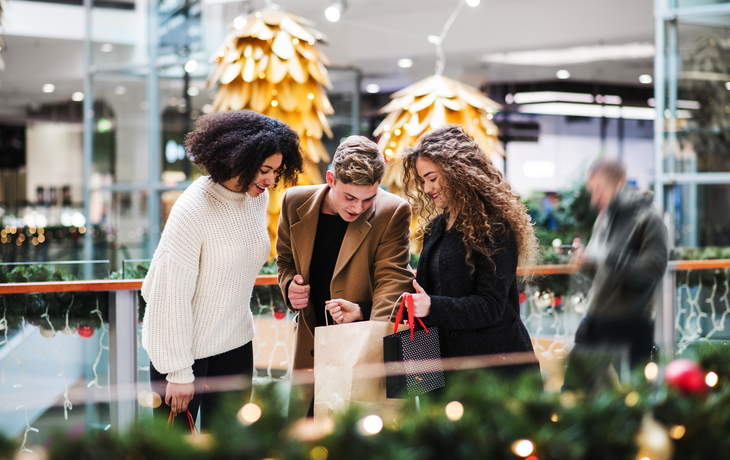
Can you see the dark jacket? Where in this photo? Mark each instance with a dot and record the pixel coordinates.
(478, 313)
(627, 258)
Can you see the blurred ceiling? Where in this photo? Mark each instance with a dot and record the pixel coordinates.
(595, 40)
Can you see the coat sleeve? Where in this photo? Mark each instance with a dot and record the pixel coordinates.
(168, 289)
(643, 269)
(392, 273)
(284, 258)
(486, 307)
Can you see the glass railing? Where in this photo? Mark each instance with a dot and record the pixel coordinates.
(73, 357)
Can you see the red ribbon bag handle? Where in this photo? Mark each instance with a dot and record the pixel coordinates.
(190, 420)
(407, 300)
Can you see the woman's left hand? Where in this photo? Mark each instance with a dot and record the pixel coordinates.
(421, 301)
(343, 311)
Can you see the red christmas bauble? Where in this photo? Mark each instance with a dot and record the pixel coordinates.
(279, 314)
(556, 301)
(85, 331)
(685, 375)
(523, 297)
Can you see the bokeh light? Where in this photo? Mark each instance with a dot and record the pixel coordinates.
(250, 413)
(523, 447)
(454, 410)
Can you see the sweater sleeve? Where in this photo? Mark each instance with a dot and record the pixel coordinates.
(488, 303)
(169, 288)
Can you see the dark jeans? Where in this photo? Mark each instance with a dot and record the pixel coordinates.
(602, 342)
(234, 363)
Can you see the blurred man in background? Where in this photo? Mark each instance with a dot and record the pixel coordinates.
(626, 258)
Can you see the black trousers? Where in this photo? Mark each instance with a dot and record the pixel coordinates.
(234, 363)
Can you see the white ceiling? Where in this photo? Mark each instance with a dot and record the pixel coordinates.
(373, 34)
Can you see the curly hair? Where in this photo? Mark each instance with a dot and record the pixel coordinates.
(483, 199)
(236, 144)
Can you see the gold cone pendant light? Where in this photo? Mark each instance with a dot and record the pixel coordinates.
(271, 63)
(426, 105)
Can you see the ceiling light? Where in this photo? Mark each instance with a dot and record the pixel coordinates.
(193, 91)
(562, 74)
(472, 2)
(49, 88)
(239, 22)
(645, 79)
(434, 39)
(579, 54)
(612, 100)
(335, 10)
(78, 96)
(727, 86)
(372, 88)
(107, 48)
(120, 90)
(551, 96)
(405, 63)
(682, 104)
(595, 111)
(191, 65)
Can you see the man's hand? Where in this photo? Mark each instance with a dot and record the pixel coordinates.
(179, 395)
(579, 256)
(343, 311)
(298, 293)
(421, 301)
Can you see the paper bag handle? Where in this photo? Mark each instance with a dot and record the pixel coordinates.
(408, 297)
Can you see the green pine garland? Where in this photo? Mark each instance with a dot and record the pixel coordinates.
(55, 309)
(497, 414)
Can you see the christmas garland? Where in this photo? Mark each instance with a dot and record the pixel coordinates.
(682, 412)
(69, 312)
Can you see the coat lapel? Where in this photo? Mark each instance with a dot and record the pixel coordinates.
(356, 233)
(304, 232)
(302, 240)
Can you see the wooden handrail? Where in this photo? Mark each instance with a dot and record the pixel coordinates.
(269, 280)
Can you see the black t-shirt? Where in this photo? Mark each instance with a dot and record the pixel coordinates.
(327, 242)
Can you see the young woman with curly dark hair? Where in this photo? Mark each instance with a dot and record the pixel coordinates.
(198, 323)
(467, 281)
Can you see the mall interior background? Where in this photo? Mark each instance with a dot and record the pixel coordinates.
(576, 80)
(96, 96)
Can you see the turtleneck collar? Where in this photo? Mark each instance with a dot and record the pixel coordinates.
(222, 192)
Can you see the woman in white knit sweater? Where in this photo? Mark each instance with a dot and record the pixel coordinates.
(198, 324)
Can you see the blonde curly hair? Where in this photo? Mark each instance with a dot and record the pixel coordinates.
(475, 188)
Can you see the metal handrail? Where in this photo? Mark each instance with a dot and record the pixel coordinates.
(270, 280)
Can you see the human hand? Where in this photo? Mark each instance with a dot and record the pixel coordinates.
(179, 395)
(343, 311)
(579, 257)
(421, 301)
(298, 293)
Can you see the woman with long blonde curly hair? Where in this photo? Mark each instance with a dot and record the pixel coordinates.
(467, 274)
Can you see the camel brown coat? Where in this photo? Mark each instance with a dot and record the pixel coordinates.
(372, 266)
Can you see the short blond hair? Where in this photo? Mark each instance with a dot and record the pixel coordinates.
(358, 161)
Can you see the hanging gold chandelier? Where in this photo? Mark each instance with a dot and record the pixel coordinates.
(271, 63)
(426, 105)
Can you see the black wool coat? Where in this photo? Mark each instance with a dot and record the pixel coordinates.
(477, 313)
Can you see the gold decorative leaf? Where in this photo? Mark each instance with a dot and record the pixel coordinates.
(283, 46)
(297, 71)
(277, 69)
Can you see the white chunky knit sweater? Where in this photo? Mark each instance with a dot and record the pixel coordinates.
(199, 285)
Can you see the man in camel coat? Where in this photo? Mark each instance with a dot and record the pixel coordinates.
(343, 254)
